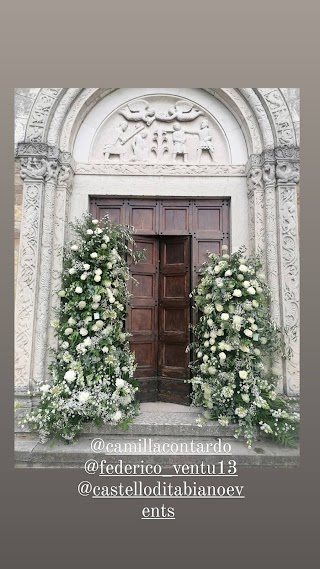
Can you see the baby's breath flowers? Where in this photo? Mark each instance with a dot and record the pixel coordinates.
(233, 336)
(92, 368)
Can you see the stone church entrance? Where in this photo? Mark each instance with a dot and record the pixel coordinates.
(175, 235)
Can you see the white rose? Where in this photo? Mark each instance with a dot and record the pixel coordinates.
(117, 416)
(83, 331)
(97, 278)
(45, 387)
(213, 349)
(212, 341)
(68, 331)
(83, 276)
(106, 238)
(217, 269)
(251, 290)
(224, 316)
(89, 232)
(212, 370)
(255, 303)
(220, 332)
(65, 345)
(93, 255)
(120, 382)
(96, 297)
(86, 267)
(259, 289)
(103, 246)
(98, 231)
(243, 269)
(95, 305)
(87, 342)
(245, 349)
(83, 396)
(261, 276)
(222, 356)
(199, 355)
(71, 321)
(98, 272)
(62, 293)
(105, 349)
(82, 304)
(263, 340)
(254, 327)
(99, 324)
(237, 292)
(205, 358)
(210, 322)
(219, 282)
(74, 247)
(109, 265)
(246, 284)
(228, 273)
(248, 333)
(224, 248)
(111, 299)
(95, 221)
(206, 344)
(78, 290)
(70, 375)
(242, 260)
(72, 271)
(240, 277)
(219, 307)
(243, 374)
(245, 397)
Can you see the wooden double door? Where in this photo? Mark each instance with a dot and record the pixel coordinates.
(159, 316)
(176, 234)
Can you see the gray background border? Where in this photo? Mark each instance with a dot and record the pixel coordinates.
(238, 43)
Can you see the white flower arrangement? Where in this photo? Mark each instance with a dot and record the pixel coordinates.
(229, 377)
(93, 370)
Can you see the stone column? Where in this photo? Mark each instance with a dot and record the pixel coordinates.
(287, 178)
(33, 172)
(272, 253)
(62, 202)
(257, 238)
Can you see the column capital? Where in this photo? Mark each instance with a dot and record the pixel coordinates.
(40, 161)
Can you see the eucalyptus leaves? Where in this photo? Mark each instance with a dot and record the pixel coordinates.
(233, 336)
(92, 370)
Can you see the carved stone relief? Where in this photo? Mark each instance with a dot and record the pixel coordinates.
(160, 130)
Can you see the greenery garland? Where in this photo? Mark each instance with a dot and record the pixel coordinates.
(233, 336)
(92, 369)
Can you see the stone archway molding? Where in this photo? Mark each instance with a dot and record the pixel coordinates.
(47, 169)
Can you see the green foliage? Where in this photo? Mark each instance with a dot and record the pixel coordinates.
(233, 341)
(92, 368)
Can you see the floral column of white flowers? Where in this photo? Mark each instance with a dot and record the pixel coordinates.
(92, 368)
(233, 334)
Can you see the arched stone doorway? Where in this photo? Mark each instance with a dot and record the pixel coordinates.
(72, 153)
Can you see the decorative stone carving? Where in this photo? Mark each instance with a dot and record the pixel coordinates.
(255, 179)
(154, 139)
(27, 282)
(288, 172)
(132, 169)
(33, 168)
(40, 113)
(268, 173)
(280, 113)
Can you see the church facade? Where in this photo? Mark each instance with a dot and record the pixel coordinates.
(192, 170)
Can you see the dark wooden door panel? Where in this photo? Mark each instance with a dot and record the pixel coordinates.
(159, 311)
(174, 317)
(142, 316)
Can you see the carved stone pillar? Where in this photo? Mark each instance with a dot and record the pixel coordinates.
(33, 172)
(272, 253)
(63, 191)
(257, 238)
(287, 178)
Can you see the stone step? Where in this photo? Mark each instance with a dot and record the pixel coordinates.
(130, 449)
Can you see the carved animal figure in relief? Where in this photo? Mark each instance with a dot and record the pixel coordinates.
(33, 168)
(139, 111)
(52, 170)
(287, 172)
(255, 178)
(182, 111)
(64, 174)
(268, 173)
(274, 98)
